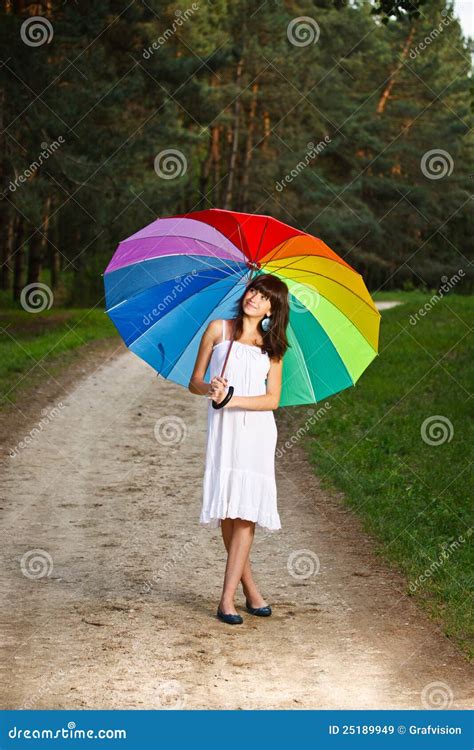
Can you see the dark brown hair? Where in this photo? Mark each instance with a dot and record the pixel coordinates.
(275, 342)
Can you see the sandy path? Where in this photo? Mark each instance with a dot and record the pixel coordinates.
(387, 305)
(126, 616)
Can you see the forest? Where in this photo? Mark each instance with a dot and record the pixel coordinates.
(349, 119)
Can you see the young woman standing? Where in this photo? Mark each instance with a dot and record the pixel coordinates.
(239, 487)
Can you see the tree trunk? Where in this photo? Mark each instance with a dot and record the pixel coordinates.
(18, 251)
(207, 164)
(217, 165)
(7, 249)
(53, 259)
(34, 258)
(394, 74)
(211, 159)
(46, 222)
(249, 147)
(37, 247)
(235, 141)
(266, 131)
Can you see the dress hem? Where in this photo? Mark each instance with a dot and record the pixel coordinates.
(214, 523)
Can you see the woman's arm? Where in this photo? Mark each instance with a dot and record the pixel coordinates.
(197, 384)
(269, 400)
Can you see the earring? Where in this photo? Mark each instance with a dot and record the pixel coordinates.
(266, 323)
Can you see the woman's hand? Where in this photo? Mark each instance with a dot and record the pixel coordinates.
(218, 389)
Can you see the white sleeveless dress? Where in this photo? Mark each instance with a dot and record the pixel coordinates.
(239, 476)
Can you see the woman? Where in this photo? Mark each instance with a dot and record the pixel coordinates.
(239, 488)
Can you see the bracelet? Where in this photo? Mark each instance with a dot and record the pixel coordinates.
(226, 400)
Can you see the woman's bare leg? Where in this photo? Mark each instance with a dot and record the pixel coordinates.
(237, 560)
(249, 586)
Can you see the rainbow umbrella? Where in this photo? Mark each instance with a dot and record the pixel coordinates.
(166, 282)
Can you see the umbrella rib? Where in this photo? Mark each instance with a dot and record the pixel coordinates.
(343, 364)
(231, 216)
(174, 308)
(330, 278)
(261, 238)
(249, 256)
(211, 255)
(310, 255)
(225, 261)
(187, 237)
(240, 235)
(175, 363)
(226, 273)
(236, 261)
(301, 357)
(280, 247)
(364, 302)
(345, 316)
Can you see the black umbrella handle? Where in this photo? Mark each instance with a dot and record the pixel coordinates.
(231, 387)
(225, 400)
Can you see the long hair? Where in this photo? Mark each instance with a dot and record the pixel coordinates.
(275, 342)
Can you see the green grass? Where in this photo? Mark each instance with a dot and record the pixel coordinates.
(415, 498)
(33, 345)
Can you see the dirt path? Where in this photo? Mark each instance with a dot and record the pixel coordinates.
(387, 305)
(117, 608)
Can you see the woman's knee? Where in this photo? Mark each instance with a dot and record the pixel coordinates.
(243, 523)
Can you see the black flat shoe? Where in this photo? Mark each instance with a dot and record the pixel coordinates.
(259, 611)
(229, 619)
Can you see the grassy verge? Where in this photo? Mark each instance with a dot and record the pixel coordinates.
(35, 345)
(415, 497)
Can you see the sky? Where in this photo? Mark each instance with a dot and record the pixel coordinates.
(464, 10)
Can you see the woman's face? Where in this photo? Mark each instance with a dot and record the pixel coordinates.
(256, 303)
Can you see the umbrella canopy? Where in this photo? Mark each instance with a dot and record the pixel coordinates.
(165, 283)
